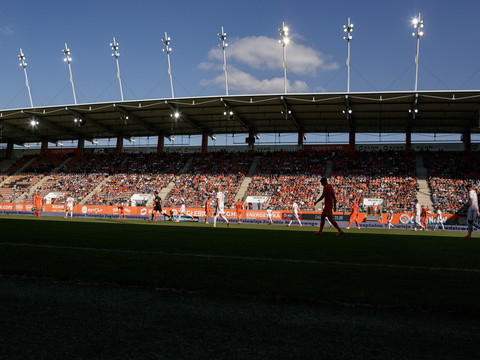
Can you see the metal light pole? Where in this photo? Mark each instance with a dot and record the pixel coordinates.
(68, 60)
(223, 45)
(116, 54)
(348, 29)
(23, 64)
(284, 34)
(418, 24)
(166, 41)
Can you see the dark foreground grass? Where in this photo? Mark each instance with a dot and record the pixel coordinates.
(436, 271)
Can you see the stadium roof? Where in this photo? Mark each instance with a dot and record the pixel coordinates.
(385, 112)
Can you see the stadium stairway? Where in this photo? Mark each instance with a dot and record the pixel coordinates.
(34, 187)
(94, 191)
(248, 179)
(100, 185)
(424, 195)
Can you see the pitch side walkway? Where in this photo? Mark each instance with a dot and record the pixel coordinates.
(41, 319)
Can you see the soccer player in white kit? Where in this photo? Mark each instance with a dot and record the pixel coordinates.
(269, 216)
(182, 211)
(439, 220)
(220, 208)
(295, 213)
(418, 211)
(473, 212)
(69, 206)
(390, 218)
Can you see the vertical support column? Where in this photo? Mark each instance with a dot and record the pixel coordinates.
(467, 140)
(160, 144)
(204, 143)
(300, 141)
(352, 141)
(9, 152)
(251, 141)
(408, 140)
(119, 149)
(43, 150)
(80, 146)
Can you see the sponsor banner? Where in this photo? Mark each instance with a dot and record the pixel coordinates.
(6, 206)
(257, 199)
(371, 201)
(415, 147)
(23, 207)
(62, 151)
(143, 211)
(409, 218)
(332, 147)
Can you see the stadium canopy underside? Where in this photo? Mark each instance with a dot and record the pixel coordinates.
(384, 112)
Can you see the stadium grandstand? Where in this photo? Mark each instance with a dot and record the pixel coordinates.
(280, 174)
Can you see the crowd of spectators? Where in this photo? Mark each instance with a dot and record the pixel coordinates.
(287, 177)
(284, 177)
(383, 175)
(448, 175)
(141, 174)
(80, 176)
(206, 172)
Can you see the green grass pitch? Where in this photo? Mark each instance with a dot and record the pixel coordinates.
(425, 270)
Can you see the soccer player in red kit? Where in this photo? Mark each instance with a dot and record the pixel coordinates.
(330, 206)
(238, 207)
(354, 216)
(121, 211)
(38, 205)
(207, 210)
(424, 218)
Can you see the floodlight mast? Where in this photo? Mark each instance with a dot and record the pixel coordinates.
(418, 24)
(348, 29)
(284, 34)
(223, 45)
(68, 60)
(23, 64)
(116, 54)
(166, 41)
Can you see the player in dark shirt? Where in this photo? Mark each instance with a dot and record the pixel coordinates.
(157, 206)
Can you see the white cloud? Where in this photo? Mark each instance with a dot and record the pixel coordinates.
(247, 83)
(206, 65)
(7, 30)
(257, 53)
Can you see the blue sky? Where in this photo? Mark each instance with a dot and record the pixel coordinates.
(383, 48)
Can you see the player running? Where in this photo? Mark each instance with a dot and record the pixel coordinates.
(208, 211)
(269, 216)
(121, 211)
(424, 218)
(157, 207)
(69, 206)
(238, 208)
(182, 211)
(439, 220)
(38, 205)
(473, 212)
(418, 211)
(220, 208)
(354, 216)
(390, 219)
(295, 214)
(330, 206)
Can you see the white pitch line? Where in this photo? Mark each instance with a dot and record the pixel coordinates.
(246, 258)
